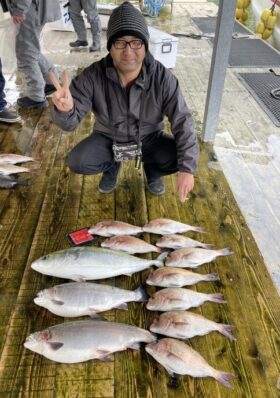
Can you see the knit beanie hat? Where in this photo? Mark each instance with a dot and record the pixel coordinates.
(126, 20)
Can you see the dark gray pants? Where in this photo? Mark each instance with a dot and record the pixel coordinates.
(94, 155)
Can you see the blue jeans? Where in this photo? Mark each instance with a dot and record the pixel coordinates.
(3, 102)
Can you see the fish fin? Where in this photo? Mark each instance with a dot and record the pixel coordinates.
(55, 346)
(162, 256)
(227, 330)
(106, 359)
(179, 324)
(225, 378)
(57, 302)
(122, 306)
(103, 355)
(96, 317)
(141, 294)
(135, 346)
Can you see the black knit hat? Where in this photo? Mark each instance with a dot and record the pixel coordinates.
(126, 20)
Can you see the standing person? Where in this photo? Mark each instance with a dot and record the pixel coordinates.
(6, 115)
(129, 93)
(31, 16)
(90, 8)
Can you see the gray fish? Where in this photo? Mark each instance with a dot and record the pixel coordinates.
(81, 341)
(177, 277)
(10, 181)
(165, 226)
(114, 228)
(174, 241)
(84, 298)
(177, 298)
(7, 168)
(178, 358)
(186, 324)
(92, 263)
(129, 244)
(194, 257)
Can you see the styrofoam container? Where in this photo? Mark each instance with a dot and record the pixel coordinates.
(163, 46)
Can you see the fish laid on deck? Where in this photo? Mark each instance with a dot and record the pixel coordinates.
(91, 263)
(78, 299)
(177, 277)
(165, 226)
(177, 298)
(114, 228)
(130, 244)
(10, 181)
(194, 257)
(81, 341)
(186, 324)
(7, 169)
(174, 241)
(14, 158)
(178, 358)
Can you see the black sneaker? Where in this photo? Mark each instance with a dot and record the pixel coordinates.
(156, 187)
(78, 43)
(109, 178)
(9, 116)
(26, 102)
(49, 89)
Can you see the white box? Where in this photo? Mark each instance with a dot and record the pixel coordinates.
(163, 46)
(64, 23)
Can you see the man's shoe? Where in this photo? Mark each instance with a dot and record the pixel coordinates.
(109, 178)
(49, 89)
(156, 187)
(78, 43)
(9, 116)
(94, 47)
(26, 102)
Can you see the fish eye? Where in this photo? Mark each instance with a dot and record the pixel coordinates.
(44, 257)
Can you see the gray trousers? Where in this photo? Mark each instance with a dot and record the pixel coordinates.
(94, 155)
(30, 61)
(90, 8)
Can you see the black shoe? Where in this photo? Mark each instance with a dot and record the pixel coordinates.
(49, 89)
(78, 43)
(26, 102)
(109, 178)
(156, 187)
(9, 116)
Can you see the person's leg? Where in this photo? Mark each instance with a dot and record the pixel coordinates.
(6, 115)
(159, 159)
(90, 8)
(28, 54)
(94, 155)
(75, 9)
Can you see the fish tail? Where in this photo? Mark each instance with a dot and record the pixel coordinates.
(158, 262)
(198, 229)
(225, 378)
(212, 277)
(224, 252)
(217, 298)
(141, 294)
(207, 246)
(227, 330)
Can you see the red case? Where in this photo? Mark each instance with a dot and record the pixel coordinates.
(81, 237)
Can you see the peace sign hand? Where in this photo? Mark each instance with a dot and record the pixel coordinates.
(62, 97)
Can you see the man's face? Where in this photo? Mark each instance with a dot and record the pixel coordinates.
(128, 59)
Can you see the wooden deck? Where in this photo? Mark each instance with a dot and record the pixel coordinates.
(35, 219)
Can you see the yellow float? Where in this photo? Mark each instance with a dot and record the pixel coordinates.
(267, 22)
(241, 14)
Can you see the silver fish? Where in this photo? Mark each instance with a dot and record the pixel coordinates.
(177, 298)
(78, 299)
(194, 257)
(81, 341)
(114, 228)
(177, 277)
(14, 158)
(6, 169)
(174, 241)
(185, 324)
(91, 263)
(165, 226)
(129, 244)
(178, 358)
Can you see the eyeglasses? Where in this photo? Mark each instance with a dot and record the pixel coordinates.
(133, 44)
